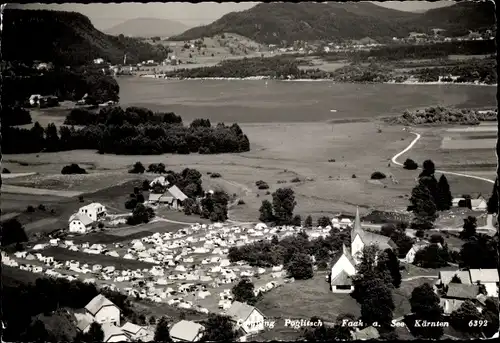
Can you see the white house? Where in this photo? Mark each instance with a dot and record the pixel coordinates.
(488, 278)
(342, 270)
(247, 317)
(103, 310)
(113, 333)
(98, 61)
(161, 180)
(134, 331)
(178, 197)
(95, 211)
(410, 255)
(80, 223)
(186, 331)
(479, 204)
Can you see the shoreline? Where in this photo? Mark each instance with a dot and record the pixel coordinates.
(258, 78)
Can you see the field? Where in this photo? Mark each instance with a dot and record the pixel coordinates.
(304, 299)
(358, 148)
(470, 138)
(216, 49)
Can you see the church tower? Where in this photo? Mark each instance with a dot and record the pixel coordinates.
(357, 243)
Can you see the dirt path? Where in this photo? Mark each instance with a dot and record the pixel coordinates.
(420, 277)
(413, 142)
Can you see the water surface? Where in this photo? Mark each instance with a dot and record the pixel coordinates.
(264, 101)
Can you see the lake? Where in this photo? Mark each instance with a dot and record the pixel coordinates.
(263, 101)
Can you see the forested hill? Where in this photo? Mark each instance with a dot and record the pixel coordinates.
(66, 38)
(273, 23)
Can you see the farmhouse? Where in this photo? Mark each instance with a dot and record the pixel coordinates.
(80, 223)
(95, 211)
(103, 310)
(178, 197)
(186, 331)
(246, 317)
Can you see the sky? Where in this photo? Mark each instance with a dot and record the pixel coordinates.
(105, 16)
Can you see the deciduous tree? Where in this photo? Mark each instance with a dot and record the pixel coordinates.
(244, 292)
(219, 328)
(162, 333)
(425, 306)
(300, 266)
(283, 205)
(266, 211)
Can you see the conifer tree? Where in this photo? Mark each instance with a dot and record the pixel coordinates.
(444, 199)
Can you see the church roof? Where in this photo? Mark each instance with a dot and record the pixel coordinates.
(342, 279)
(370, 238)
(344, 252)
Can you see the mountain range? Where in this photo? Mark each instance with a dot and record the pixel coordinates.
(67, 38)
(275, 23)
(148, 27)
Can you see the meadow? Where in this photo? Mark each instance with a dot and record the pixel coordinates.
(277, 157)
(293, 134)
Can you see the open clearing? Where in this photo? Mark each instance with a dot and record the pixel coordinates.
(325, 188)
(304, 299)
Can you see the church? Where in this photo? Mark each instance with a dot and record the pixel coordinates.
(345, 264)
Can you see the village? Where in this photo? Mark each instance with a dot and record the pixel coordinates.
(189, 269)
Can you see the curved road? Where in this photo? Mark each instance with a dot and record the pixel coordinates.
(394, 160)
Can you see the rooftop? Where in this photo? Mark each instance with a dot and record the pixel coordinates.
(186, 330)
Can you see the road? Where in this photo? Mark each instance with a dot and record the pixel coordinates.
(413, 142)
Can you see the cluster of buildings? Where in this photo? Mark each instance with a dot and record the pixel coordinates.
(86, 217)
(345, 264)
(172, 197)
(456, 287)
(101, 310)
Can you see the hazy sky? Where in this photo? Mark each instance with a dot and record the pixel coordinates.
(104, 16)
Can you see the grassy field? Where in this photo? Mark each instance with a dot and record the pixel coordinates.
(304, 299)
(359, 148)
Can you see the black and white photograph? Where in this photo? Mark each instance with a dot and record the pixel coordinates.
(249, 171)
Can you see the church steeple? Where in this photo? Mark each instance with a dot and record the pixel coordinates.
(357, 221)
(357, 226)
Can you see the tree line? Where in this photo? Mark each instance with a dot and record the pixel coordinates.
(416, 51)
(148, 134)
(20, 81)
(21, 302)
(440, 114)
